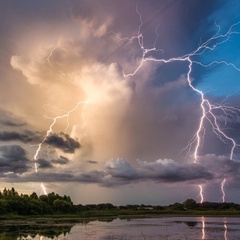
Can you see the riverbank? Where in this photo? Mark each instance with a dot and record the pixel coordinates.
(122, 214)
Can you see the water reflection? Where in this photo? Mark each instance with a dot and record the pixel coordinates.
(203, 228)
(225, 230)
(169, 228)
(33, 231)
(191, 224)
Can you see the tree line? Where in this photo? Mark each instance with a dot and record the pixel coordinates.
(11, 202)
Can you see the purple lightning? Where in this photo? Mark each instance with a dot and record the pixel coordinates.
(207, 108)
(201, 193)
(222, 189)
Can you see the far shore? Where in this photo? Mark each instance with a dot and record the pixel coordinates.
(108, 215)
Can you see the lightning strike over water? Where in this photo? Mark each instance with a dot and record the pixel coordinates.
(207, 108)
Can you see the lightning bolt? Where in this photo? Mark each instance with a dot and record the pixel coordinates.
(201, 193)
(50, 131)
(222, 189)
(44, 190)
(52, 65)
(207, 108)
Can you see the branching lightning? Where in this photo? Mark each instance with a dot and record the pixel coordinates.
(55, 119)
(51, 64)
(207, 108)
(50, 131)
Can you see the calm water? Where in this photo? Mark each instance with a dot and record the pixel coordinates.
(168, 228)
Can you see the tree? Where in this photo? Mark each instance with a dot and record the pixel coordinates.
(190, 204)
(13, 193)
(176, 206)
(34, 196)
(62, 206)
(4, 207)
(5, 193)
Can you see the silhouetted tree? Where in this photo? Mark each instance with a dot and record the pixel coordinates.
(190, 204)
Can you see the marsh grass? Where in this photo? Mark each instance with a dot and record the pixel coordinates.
(89, 215)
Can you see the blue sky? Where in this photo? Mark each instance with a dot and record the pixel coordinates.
(221, 79)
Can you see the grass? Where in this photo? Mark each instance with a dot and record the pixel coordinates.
(121, 213)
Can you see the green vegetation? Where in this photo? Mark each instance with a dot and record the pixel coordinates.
(13, 203)
(19, 206)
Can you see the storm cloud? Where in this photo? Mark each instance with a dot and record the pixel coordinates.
(16, 136)
(119, 172)
(43, 163)
(46, 163)
(63, 142)
(62, 160)
(13, 159)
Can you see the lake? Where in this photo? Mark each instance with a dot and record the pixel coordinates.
(167, 228)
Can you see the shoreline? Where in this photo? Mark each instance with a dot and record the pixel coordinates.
(78, 218)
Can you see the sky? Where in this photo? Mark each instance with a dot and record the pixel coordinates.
(127, 102)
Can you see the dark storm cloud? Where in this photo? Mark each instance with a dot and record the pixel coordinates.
(62, 160)
(16, 136)
(43, 163)
(46, 163)
(12, 123)
(210, 168)
(165, 170)
(62, 141)
(13, 159)
(88, 177)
